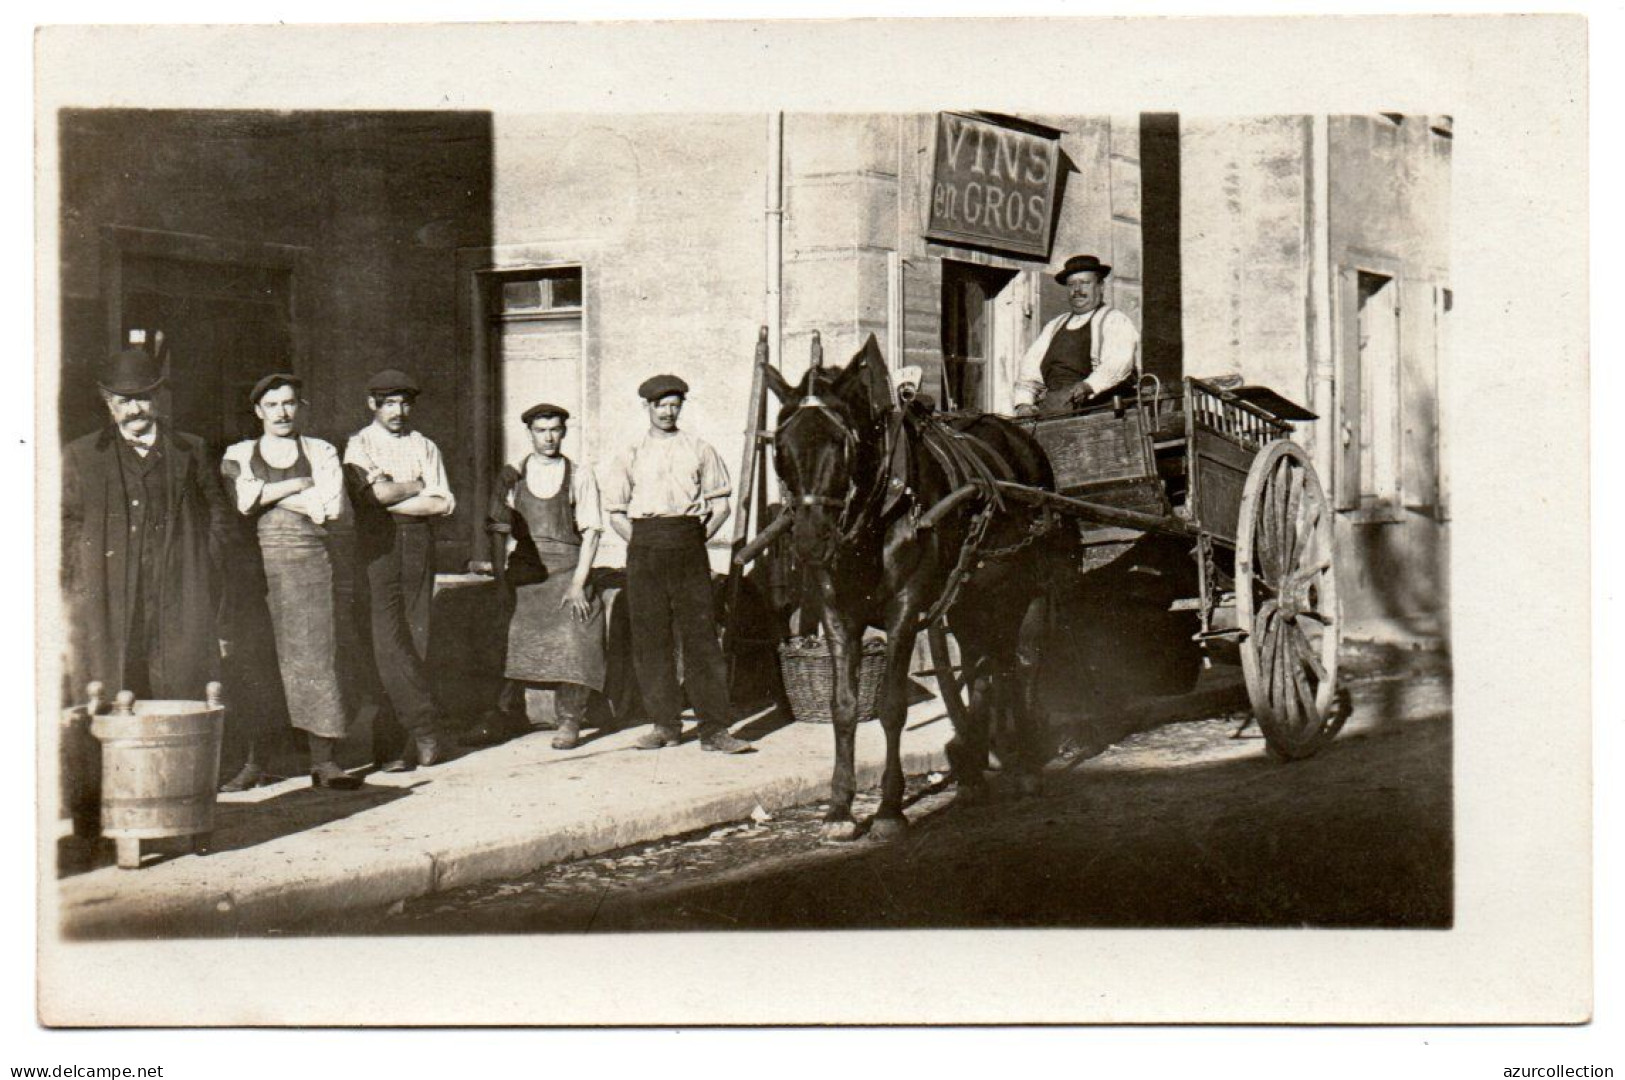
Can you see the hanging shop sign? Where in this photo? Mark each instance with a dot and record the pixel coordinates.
(994, 185)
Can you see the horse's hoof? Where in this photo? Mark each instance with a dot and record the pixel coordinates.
(888, 828)
(839, 832)
(1029, 786)
(973, 795)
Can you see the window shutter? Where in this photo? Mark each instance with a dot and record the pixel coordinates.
(1418, 399)
(1346, 422)
(1443, 301)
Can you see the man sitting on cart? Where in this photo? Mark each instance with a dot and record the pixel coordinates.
(1083, 355)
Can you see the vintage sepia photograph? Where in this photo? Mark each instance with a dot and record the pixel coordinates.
(528, 524)
(1094, 459)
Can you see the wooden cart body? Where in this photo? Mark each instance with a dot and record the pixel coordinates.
(1218, 467)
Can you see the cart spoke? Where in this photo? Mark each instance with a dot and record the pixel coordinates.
(1310, 523)
(1286, 480)
(1306, 698)
(1289, 523)
(1310, 656)
(1273, 503)
(1307, 572)
(1266, 624)
(1280, 694)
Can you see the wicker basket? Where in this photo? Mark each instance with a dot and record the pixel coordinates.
(809, 678)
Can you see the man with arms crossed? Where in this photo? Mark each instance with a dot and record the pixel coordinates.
(398, 485)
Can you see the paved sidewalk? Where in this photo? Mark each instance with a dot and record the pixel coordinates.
(287, 852)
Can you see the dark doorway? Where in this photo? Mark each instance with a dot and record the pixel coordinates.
(968, 332)
(1162, 348)
(218, 328)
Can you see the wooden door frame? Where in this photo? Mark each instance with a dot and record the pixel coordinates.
(476, 268)
(1353, 263)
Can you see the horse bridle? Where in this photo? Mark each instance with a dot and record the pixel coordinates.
(849, 445)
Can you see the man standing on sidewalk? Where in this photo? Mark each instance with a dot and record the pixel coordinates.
(549, 505)
(144, 523)
(666, 495)
(398, 485)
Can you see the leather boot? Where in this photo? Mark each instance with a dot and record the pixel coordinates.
(659, 737)
(569, 736)
(719, 740)
(328, 774)
(248, 777)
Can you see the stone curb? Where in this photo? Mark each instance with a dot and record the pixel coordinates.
(455, 840)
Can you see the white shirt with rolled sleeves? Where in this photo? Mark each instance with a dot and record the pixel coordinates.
(1114, 352)
(322, 502)
(672, 475)
(403, 458)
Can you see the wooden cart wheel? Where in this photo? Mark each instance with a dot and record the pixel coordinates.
(1286, 600)
(953, 690)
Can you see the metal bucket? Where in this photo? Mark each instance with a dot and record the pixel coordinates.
(160, 770)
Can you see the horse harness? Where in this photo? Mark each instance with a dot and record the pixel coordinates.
(964, 459)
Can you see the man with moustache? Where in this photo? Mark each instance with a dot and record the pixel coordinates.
(398, 485)
(1082, 355)
(666, 495)
(292, 486)
(144, 523)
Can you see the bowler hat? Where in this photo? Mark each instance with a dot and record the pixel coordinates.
(131, 373)
(271, 382)
(391, 381)
(1077, 264)
(659, 386)
(544, 409)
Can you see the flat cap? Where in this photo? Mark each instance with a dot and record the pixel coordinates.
(131, 373)
(392, 381)
(544, 408)
(271, 382)
(659, 386)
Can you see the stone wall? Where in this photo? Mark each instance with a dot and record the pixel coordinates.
(1248, 221)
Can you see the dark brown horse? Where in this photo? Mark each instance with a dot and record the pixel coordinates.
(859, 475)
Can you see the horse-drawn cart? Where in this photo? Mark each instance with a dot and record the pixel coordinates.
(1216, 467)
(899, 517)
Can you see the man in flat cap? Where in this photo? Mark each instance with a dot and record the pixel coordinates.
(398, 484)
(666, 495)
(546, 505)
(144, 524)
(292, 487)
(1081, 355)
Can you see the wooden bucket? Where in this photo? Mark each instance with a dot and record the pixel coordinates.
(79, 766)
(160, 769)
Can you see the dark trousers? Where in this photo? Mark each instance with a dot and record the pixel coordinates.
(400, 584)
(668, 589)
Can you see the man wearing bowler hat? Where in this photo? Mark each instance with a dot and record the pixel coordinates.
(398, 484)
(1081, 355)
(666, 495)
(144, 523)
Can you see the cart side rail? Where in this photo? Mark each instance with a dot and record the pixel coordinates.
(1217, 410)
